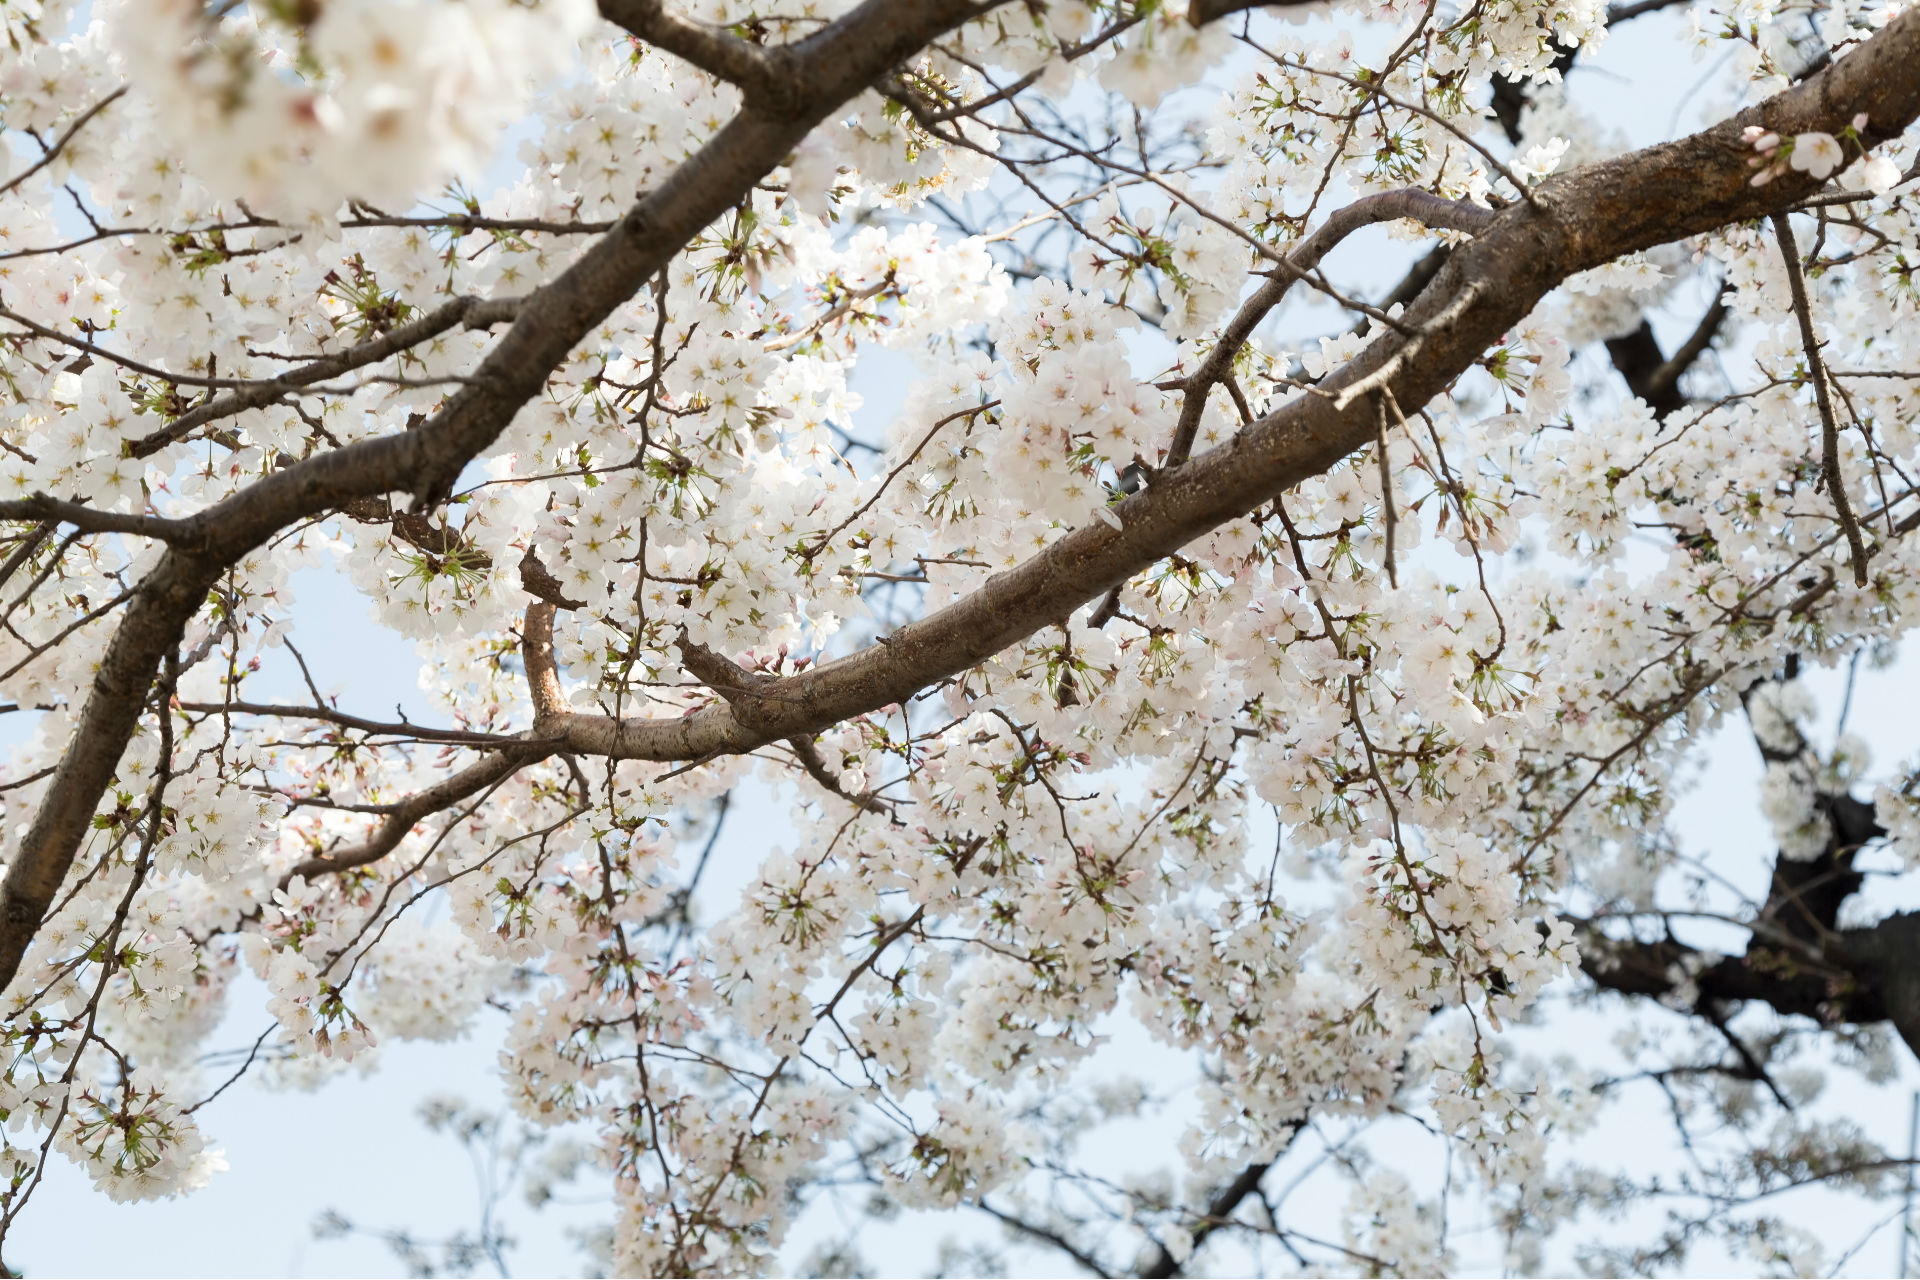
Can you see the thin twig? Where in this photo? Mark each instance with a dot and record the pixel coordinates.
(1386, 481)
(60, 143)
(1829, 426)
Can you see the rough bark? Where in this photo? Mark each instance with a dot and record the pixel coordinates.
(1575, 222)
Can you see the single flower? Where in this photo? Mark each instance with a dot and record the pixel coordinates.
(1879, 175)
(1816, 153)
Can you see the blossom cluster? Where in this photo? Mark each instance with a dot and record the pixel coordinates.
(1310, 802)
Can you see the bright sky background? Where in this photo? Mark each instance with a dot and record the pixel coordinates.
(356, 1143)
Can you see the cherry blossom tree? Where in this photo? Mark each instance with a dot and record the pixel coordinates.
(1313, 703)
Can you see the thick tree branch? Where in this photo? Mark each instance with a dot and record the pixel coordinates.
(832, 66)
(1201, 12)
(1580, 220)
(1862, 975)
(1890, 951)
(1576, 221)
(1654, 376)
(1799, 961)
(543, 672)
(539, 582)
(1803, 898)
(41, 508)
(712, 50)
(1636, 355)
(1771, 976)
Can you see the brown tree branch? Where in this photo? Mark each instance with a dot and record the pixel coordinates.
(536, 647)
(1201, 12)
(1219, 1213)
(537, 581)
(816, 768)
(543, 672)
(1890, 950)
(327, 715)
(758, 72)
(1575, 221)
(475, 778)
(1799, 961)
(1582, 219)
(477, 313)
(1655, 376)
(41, 508)
(830, 67)
(1863, 975)
(1656, 969)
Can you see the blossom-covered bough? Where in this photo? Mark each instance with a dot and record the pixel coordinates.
(1137, 622)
